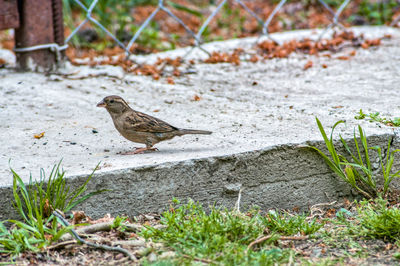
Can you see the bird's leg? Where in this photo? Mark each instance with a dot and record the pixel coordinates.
(139, 150)
(149, 147)
(143, 150)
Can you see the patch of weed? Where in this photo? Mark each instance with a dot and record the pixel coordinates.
(223, 236)
(35, 203)
(356, 170)
(378, 220)
(375, 117)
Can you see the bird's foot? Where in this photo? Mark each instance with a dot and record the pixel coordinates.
(139, 150)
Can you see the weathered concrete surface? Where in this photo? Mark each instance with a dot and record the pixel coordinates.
(259, 114)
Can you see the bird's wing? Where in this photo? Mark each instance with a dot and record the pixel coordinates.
(141, 122)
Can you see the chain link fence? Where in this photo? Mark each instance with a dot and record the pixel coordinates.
(88, 17)
(197, 35)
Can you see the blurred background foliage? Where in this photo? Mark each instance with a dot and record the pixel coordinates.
(124, 17)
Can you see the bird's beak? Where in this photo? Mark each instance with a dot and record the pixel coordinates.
(101, 104)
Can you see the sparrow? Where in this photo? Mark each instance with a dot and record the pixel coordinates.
(139, 127)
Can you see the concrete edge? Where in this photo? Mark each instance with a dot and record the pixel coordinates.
(283, 176)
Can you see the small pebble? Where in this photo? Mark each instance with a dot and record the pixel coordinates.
(94, 131)
(119, 256)
(167, 254)
(152, 257)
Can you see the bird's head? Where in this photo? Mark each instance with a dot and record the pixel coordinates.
(114, 104)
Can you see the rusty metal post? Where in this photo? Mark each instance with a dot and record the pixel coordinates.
(8, 14)
(58, 21)
(39, 26)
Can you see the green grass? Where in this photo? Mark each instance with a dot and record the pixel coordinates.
(375, 117)
(356, 169)
(377, 12)
(221, 237)
(377, 220)
(224, 236)
(373, 219)
(35, 202)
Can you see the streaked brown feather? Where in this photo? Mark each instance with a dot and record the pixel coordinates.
(141, 122)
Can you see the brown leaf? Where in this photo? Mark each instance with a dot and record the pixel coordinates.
(343, 57)
(78, 217)
(170, 80)
(254, 59)
(308, 65)
(324, 65)
(347, 203)
(156, 76)
(106, 218)
(365, 45)
(176, 73)
(47, 209)
(196, 98)
(39, 136)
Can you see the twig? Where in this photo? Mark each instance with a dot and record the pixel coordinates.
(62, 244)
(258, 241)
(264, 238)
(94, 228)
(237, 205)
(198, 259)
(293, 238)
(90, 229)
(323, 204)
(315, 209)
(81, 240)
(106, 226)
(119, 262)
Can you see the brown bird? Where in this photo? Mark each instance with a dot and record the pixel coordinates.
(139, 127)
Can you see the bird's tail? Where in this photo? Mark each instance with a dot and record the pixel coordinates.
(193, 131)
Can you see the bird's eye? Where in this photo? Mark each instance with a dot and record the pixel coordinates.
(111, 101)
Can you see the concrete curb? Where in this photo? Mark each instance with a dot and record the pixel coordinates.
(283, 176)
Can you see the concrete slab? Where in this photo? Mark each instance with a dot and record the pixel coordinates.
(259, 113)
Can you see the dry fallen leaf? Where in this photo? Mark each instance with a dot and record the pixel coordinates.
(365, 45)
(105, 219)
(170, 80)
(156, 76)
(343, 57)
(39, 136)
(254, 59)
(196, 98)
(308, 65)
(346, 202)
(78, 217)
